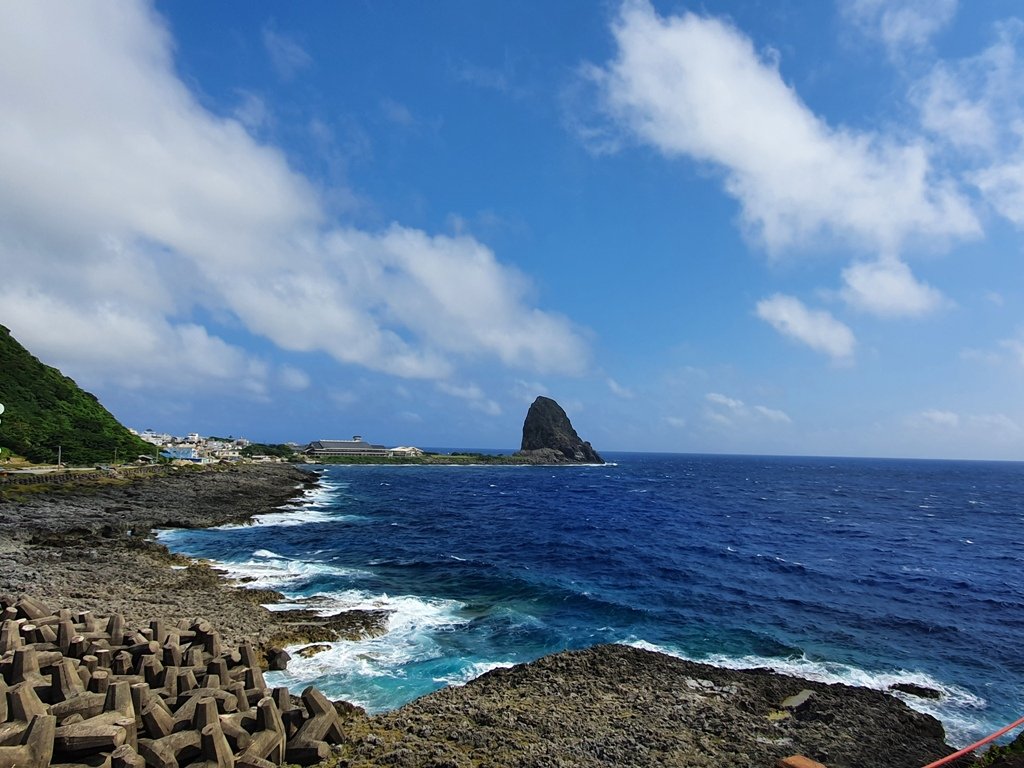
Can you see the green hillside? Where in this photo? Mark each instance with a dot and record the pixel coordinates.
(45, 409)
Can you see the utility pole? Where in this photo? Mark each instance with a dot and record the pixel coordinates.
(58, 456)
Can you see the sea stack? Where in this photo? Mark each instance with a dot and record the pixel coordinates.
(548, 435)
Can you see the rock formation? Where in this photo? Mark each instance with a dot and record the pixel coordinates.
(548, 434)
(616, 706)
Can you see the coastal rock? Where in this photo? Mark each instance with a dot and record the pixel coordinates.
(921, 691)
(548, 434)
(620, 706)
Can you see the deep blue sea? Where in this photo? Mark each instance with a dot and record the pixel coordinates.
(861, 571)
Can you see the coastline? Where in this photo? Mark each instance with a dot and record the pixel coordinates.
(86, 548)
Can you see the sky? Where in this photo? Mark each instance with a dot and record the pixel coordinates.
(786, 227)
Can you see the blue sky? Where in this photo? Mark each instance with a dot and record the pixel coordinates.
(785, 227)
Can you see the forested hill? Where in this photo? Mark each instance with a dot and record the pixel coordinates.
(46, 409)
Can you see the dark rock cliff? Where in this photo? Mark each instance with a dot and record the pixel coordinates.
(548, 433)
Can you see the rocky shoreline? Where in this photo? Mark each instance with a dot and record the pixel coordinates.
(614, 705)
(87, 548)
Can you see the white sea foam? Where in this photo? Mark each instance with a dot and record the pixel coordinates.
(267, 570)
(316, 505)
(349, 668)
(472, 672)
(954, 708)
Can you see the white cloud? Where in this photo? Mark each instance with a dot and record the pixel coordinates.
(251, 111)
(695, 87)
(976, 105)
(951, 112)
(940, 418)
(900, 24)
(397, 113)
(1005, 353)
(95, 339)
(773, 414)
(293, 378)
(727, 402)
(501, 79)
(728, 410)
(473, 395)
(128, 207)
(951, 432)
(287, 56)
(676, 422)
(815, 328)
(343, 398)
(618, 390)
(1003, 186)
(1015, 348)
(969, 428)
(888, 288)
(996, 425)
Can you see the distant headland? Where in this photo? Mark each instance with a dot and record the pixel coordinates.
(548, 438)
(50, 423)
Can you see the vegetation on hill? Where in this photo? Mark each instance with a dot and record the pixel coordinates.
(45, 409)
(264, 449)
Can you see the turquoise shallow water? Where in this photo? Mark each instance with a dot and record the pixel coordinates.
(845, 570)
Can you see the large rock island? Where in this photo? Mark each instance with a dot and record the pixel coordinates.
(548, 436)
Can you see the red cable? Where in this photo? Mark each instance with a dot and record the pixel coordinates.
(975, 745)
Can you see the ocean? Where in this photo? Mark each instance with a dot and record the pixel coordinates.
(861, 571)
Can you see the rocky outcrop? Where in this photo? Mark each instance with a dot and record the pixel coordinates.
(618, 706)
(548, 435)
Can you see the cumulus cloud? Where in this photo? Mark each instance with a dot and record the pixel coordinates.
(728, 410)
(976, 105)
(128, 211)
(900, 24)
(818, 329)
(695, 87)
(950, 111)
(1003, 186)
(887, 288)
